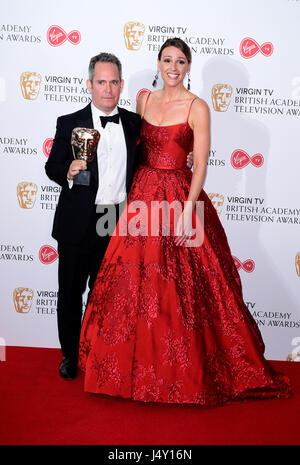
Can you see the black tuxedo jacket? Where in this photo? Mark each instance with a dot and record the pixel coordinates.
(76, 207)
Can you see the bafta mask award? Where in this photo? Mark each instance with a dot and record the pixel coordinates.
(84, 143)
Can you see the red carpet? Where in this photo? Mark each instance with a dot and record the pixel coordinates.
(38, 407)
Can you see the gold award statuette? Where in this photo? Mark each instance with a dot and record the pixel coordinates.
(84, 143)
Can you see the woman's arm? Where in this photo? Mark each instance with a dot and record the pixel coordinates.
(200, 123)
(141, 103)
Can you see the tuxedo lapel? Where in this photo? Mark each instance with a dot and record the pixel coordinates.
(85, 119)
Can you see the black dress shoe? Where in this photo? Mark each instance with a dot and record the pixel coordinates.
(68, 369)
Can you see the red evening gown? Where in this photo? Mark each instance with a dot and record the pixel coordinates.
(168, 323)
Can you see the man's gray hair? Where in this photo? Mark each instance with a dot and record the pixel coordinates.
(104, 58)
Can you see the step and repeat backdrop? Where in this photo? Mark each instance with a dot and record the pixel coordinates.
(245, 66)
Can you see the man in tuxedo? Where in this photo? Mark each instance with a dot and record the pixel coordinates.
(80, 248)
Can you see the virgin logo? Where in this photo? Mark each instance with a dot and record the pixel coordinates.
(47, 146)
(249, 48)
(247, 265)
(57, 36)
(141, 92)
(47, 254)
(239, 159)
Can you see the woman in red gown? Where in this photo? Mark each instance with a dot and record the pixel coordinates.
(166, 321)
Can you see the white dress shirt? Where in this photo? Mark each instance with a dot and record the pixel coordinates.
(112, 160)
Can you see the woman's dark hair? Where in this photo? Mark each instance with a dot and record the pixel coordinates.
(178, 43)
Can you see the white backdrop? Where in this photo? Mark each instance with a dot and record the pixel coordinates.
(245, 66)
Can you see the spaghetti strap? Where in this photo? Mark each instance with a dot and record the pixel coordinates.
(190, 108)
(146, 103)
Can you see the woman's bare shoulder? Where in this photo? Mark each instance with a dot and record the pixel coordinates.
(199, 109)
(141, 102)
(199, 104)
(199, 114)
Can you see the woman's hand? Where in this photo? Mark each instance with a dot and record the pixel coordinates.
(189, 160)
(184, 227)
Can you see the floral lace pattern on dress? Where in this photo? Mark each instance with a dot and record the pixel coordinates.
(167, 323)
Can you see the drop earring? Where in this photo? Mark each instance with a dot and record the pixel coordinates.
(154, 83)
(189, 82)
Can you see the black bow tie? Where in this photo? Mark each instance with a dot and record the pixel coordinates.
(109, 119)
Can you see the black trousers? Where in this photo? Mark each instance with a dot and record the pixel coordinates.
(78, 267)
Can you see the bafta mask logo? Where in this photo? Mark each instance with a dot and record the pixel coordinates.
(221, 97)
(23, 297)
(293, 358)
(30, 85)
(26, 192)
(133, 35)
(295, 355)
(217, 200)
(297, 263)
